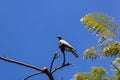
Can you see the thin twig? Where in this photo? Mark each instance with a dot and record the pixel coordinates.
(33, 75)
(115, 67)
(56, 55)
(20, 63)
(60, 67)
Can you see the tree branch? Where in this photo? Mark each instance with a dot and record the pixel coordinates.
(60, 67)
(20, 63)
(45, 70)
(56, 55)
(49, 74)
(115, 67)
(33, 75)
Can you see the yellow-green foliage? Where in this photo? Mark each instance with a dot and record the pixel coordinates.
(112, 49)
(117, 74)
(101, 24)
(96, 73)
(104, 26)
(117, 60)
(79, 76)
(116, 63)
(90, 53)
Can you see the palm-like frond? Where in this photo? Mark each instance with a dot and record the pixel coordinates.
(101, 24)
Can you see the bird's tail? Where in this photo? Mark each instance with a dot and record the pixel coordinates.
(74, 53)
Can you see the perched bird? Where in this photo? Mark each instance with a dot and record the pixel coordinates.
(65, 46)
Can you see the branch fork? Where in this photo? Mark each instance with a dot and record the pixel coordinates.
(45, 70)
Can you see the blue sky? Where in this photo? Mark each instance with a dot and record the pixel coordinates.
(28, 30)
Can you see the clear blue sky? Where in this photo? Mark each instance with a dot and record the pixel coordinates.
(28, 30)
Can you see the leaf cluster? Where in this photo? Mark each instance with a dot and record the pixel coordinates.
(96, 73)
(101, 24)
(113, 49)
(105, 27)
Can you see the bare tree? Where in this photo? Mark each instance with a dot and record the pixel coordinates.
(45, 70)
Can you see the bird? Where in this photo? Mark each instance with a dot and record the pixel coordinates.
(65, 46)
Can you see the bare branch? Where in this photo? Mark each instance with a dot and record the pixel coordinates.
(115, 67)
(33, 75)
(49, 74)
(20, 63)
(45, 70)
(60, 67)
(56, 55)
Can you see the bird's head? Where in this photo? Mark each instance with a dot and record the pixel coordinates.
(59, 37)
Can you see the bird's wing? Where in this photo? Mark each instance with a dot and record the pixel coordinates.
(65, 43)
